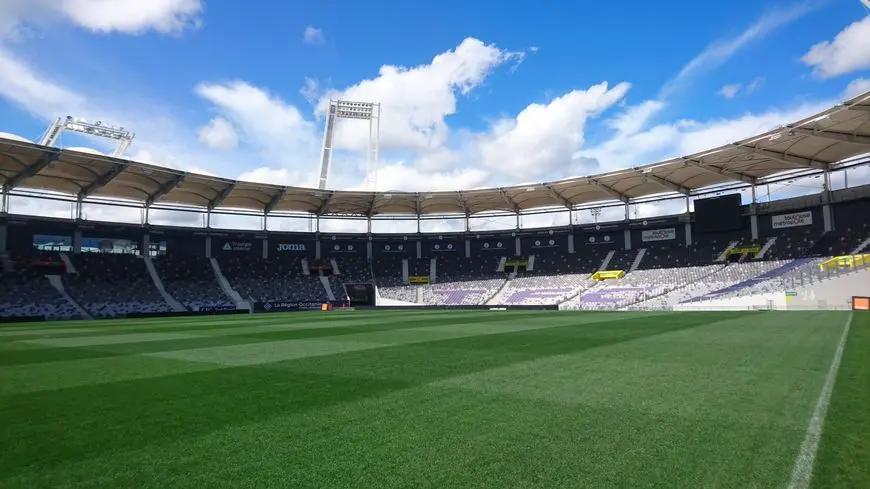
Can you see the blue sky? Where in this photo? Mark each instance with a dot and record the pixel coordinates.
(473, 93)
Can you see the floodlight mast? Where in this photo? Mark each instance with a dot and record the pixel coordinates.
(107, 131)
(344, 109)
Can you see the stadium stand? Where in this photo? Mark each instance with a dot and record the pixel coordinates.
(113, 284)
(191, 281)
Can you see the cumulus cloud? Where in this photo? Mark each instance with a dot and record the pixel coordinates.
(542, 137)
(313, 35)
(126, 16)
(415, 101)
(856, 87)
(849, 51)
(275, 130)
(718, 52)
(219, 134)
(32, 91)
(684, 137)
(730, 90)
(636, 117)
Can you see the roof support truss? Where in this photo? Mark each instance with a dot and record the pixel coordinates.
(732, 174)
(786, 159)
(165, 189)
(664, 183)
(608, 190)
(324, 205)
(371, 210)
(103, 180)
(507, 198)
(462, 203)
(835, 135)
(273, 202)
(46, 159)
(221, 196)
(558, 196)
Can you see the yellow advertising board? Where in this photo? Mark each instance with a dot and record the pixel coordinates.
(418, 280)
(608, 275)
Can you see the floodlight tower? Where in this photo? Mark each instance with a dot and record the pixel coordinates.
(344, 109)
(70, 123)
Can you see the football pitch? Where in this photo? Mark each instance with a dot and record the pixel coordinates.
(439, 399)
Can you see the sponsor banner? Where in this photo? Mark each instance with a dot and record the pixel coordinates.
(237, 246)
(658, 234)
(546, 242)
(418, 279)
(516, 263)
(495, 245)
(216, 308)
(792, 220)
(291, 247)
(276, 306)
(330, 247)
(445, 247)
(397, 248)
(744, 250)
(598, 239)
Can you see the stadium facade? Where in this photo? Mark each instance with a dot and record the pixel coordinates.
(728, 249)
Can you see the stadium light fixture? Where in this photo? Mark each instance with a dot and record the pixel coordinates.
(345, 109)
(98, 129)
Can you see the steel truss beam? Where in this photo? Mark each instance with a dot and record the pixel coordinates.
(165, 189)
(50, 156)
(716, 170)
(786, 159)
(103, 180)
(834, 135)
(558, 196)
(221, 196)
(608, 190)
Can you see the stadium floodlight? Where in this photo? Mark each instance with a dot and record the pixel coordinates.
(345, 109)
(98, 129)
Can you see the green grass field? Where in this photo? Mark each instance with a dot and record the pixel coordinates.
(434, 399)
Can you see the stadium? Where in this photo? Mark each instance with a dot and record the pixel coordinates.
(720, 340)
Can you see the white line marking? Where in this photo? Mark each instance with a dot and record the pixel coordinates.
(803, 465)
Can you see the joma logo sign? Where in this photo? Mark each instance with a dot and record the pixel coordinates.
(291, 247)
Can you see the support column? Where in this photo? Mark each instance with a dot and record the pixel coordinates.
(627, 211)
(827, 218)
(78, 209)
(688, 234)
(369, 225)
(688, 206)
(265, 222)
(77, 241)
(317, 224)
(208, 218)
(265, 248)
(627, 235)
(571, 243)
(4, 203)
(467, 224)
(419, 249)
(208, 246)
(826, 186)
(518, 219)
(145, 246)
(3, 238)
(467, 248)
(519, 250)
(418, 223)
(317, 249)
(369, 248)
(147, 214)
(753, 225)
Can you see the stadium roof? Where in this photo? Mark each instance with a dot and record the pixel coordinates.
(820, 141)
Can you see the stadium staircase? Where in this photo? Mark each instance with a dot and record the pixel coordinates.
(305, 270)
(57, 283)
(765, 248)
(334, 264)
(637, 259)
(327, 287)
(606, 261)
(495, 294)
(724, 254)
(173, 303)
(227, 287)
(861, 247)
(68, 264)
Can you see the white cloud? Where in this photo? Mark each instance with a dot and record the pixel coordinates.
(542, 137)
(32, 91)
(636, 117)
(310, 90)
(721, 51)
(754, 85)
(730, 90)
(685, 137)
(126, 16)
(219, 133)
(415, 101)
(277, 131)
(313, 35)
(848, 52)
(856, 87)
(399, 176)
(275, 176)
